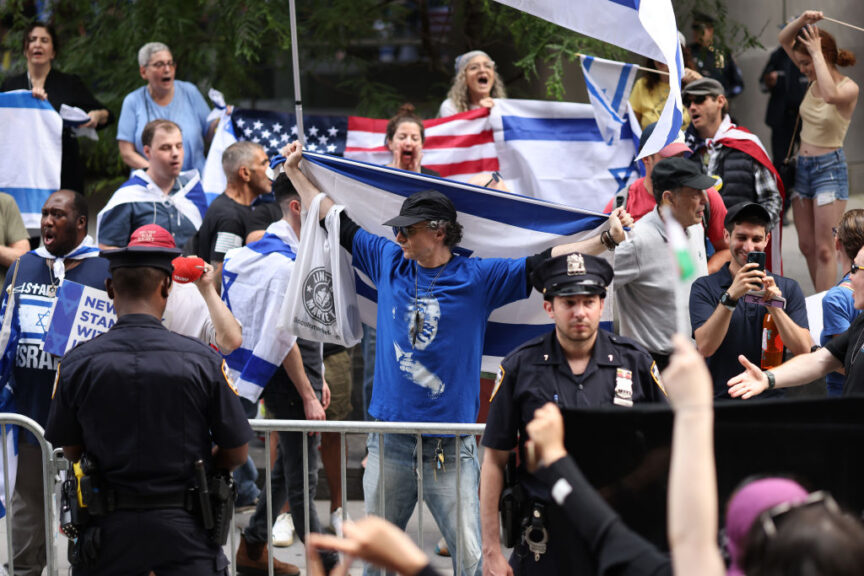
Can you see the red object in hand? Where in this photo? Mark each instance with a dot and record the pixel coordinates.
(187, 269)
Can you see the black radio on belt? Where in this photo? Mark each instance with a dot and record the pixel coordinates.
(510, 504)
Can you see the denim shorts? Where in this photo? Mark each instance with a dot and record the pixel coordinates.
(824, 178)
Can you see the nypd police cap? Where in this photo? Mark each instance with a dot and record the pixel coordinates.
(572, 274)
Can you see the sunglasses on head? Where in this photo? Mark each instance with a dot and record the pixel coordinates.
(687, 100)
(769, 518)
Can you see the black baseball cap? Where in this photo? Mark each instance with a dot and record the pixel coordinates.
(423, 206)
(745, 212)
(671, 173)
(572, 274)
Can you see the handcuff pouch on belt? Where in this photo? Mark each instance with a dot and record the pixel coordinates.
(534, 532)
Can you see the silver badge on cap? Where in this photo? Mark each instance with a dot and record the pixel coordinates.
(575, 265)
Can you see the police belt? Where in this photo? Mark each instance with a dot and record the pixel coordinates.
(129, 501)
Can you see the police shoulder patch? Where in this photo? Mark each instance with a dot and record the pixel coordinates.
(655, 373)
(228, 379)
(56, 381)
(499, 377)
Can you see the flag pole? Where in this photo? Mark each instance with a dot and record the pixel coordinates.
(295, 60)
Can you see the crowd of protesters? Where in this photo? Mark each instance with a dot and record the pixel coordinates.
(715, 184)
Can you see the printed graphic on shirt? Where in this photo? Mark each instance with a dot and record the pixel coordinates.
(422, 325)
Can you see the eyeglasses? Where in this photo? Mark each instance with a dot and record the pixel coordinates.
(768, 519)
(855, 268)
(478, 65)
(407, 231)
(687, 100)
(161, 65)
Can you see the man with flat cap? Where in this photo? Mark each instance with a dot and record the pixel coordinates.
(577, 365)
(433, 305)
(143, 405)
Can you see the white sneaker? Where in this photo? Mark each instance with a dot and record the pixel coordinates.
(336, 521)
(283, 531)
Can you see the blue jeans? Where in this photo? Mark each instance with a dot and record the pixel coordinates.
(287, 477)
(439, 490)
(824, 178)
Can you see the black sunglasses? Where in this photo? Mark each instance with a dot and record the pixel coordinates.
(406, 231)
(855, 268)
(496, 177)
(687, 100)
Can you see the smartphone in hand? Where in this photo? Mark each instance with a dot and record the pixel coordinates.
(759, 259)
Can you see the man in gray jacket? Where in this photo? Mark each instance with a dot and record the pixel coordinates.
(644, 269)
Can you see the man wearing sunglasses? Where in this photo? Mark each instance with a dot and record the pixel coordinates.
(731, 153)
(433, 307)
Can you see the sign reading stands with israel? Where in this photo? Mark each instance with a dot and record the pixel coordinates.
(80, 314)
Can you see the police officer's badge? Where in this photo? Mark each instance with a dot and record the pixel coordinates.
(575, 265)
(499, 377)
(623, 388)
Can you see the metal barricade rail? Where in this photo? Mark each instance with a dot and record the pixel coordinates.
(417, 429)
(48, 469)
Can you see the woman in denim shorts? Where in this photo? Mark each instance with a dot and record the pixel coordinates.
(821, 180)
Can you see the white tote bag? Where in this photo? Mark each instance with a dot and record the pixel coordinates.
(321, 299)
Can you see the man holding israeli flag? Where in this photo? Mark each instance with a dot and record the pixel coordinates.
(434, 301)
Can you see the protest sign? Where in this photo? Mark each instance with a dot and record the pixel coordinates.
(80, 314)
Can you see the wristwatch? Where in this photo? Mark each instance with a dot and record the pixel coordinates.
(771, 381)
(727, 301)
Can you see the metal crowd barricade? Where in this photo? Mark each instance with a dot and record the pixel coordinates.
(48, 470)
(417, 429)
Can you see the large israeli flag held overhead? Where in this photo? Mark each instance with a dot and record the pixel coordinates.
(496, 224)
(647, 27)
(609, 85)
(30, 152)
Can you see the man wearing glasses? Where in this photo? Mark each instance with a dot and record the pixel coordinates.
(433, 305)
(730, 152)
(163, 97)
(726, 326)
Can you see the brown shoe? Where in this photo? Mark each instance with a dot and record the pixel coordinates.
(251, 560)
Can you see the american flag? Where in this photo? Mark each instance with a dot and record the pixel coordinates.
(273, 130)
(457, 146)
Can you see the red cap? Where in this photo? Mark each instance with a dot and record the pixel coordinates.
(152, 236)
(187, 269)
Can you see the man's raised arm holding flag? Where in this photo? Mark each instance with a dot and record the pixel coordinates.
(433, 307)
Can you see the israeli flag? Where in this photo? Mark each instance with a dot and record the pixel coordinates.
(30, 152)
(213, 179)
(645, 27)
(556, 151)
(496, 225)
(609, 84)
(254, 281)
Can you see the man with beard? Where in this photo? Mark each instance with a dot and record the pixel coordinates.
(67, 252)
(724, 325)
(575, 366)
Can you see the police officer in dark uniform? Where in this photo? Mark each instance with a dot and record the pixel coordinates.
(710, 59)
(575, 366)
(141, 406)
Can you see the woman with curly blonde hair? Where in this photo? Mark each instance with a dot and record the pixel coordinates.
(476, 83)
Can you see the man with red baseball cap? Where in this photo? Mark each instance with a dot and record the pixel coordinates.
(638, 199)
(197, 313)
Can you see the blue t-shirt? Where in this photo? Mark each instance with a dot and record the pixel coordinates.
(427, 360)
(744, 335)
(34, 371)
(187, 109)
(838, 312)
